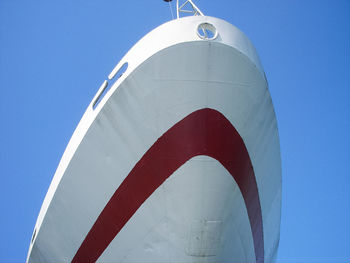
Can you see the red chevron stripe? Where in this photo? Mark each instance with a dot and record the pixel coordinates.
(203, 132)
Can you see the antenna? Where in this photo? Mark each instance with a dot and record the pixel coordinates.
(186, 7)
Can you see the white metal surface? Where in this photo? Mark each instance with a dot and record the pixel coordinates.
(171, 73)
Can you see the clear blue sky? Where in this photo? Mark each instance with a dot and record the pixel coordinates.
(55, 54)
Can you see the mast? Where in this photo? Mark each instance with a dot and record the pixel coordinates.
(186, 7)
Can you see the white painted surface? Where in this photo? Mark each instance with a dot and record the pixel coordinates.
(171, 73)
(164, 228)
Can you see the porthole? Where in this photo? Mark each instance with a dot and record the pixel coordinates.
(207, 31)
(33, 237)
(116, 74)
(102, 92)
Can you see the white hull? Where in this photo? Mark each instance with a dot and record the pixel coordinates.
(198, 213)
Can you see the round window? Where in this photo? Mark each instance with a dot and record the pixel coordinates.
(207, 31)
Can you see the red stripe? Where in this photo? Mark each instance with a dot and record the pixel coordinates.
(203, 132)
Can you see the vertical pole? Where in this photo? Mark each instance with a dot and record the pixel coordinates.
(177, 9)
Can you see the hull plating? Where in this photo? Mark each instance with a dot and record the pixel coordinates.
(134, 186)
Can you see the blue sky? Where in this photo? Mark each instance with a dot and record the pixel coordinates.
(55, 54)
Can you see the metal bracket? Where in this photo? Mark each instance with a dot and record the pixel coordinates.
(187, 7)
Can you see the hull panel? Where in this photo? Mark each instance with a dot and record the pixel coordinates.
(199, 213)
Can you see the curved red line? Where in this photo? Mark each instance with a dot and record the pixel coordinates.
(203, 132)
